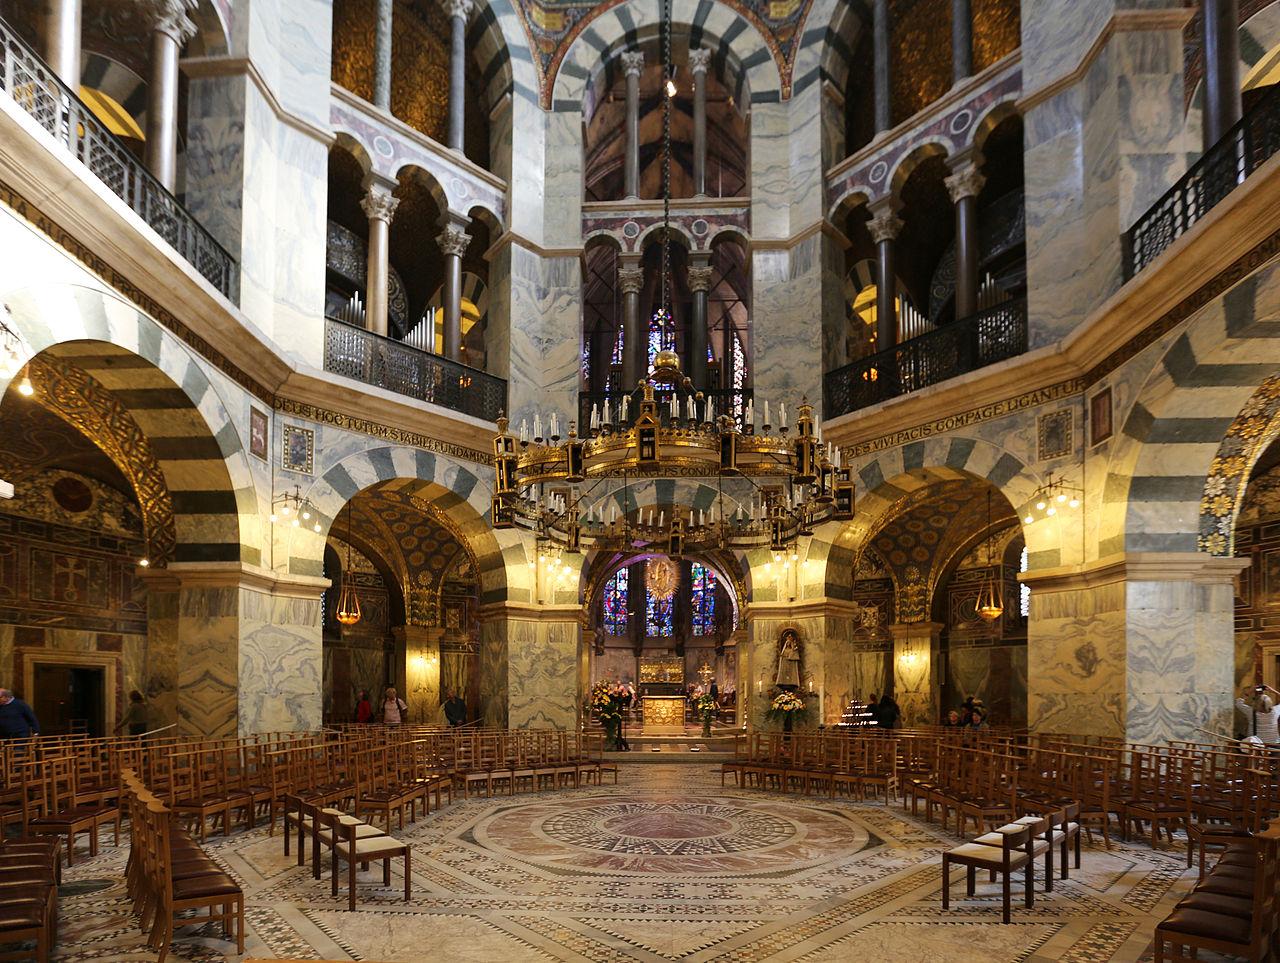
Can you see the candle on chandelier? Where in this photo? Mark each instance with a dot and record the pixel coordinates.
(751, 413)
(782, 415)
(524, 431)
(607, 419)
(662, 519)
(689, 410)
(675, 407)
(537, 427)
(711, 410)
(766, 412)
(702, 518)
(613, 514)
(555, 425)
(626, 403)
(595, 417)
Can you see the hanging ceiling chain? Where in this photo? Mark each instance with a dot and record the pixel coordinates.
(667, 79)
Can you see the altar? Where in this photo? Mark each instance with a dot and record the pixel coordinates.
(662, 695)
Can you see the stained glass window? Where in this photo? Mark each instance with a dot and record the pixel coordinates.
(615, 603)
(661, 335)
(1024, 590)
(703, 601)
(659, 616)
(739, 376)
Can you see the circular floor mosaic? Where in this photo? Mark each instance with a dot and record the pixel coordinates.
(670, 835)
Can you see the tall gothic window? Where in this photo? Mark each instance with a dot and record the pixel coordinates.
(615, 603)
(703, 600)
(659, 617)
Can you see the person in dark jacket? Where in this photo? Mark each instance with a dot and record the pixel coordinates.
(135, 718)
(455, 710)
(17, 721)
(888, 714)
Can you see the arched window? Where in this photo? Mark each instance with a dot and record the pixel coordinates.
(659, 617)
(615, 603)
(703, 600)
(662, 336)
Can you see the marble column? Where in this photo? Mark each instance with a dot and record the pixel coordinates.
(630, 280)
(382, 55)
(458, 11)
(419, 646)
(700, 276)
(915, 689)
(379, 206)
(453, 241)
(529, 666)
(885, 226)
(632, 65)
(171, 28)
(699, 63)
(883, 68)
(62, 40)
(961, 40)
(964, 185)
(1221, 68)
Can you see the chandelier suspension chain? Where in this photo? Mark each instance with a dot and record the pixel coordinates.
(667, 97)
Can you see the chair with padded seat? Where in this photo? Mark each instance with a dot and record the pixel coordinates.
(349, 847)
(1012, 855)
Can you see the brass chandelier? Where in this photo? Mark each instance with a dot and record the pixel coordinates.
(556, 487)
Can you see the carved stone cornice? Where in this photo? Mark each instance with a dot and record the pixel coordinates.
(453, 241)
(379, 204)
(632, 62)
(170, 17)
(699, 60)
(700, 278)
(630, 280)
(968, 181)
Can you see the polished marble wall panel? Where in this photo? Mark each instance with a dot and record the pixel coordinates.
(207, 660)
(280, 660)
(160, 678)
(543, 674)
(914, 672)
(545, 343)
(422, 678)
(494, 672)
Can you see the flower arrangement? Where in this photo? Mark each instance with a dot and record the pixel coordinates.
(607, 701)
(786, 705)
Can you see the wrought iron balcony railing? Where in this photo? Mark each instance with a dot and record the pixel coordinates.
(998, 333)
(364, 356)
(1218, 172)
(35, 88)
(728, 401)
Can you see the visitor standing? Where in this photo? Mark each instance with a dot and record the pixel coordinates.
(17, 721)
(455, 710)
(364, 707)
(1264, 713)
(888, 715)
(393, 707)
(135, 717)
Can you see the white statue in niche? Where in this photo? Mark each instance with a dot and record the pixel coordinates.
(788, 674)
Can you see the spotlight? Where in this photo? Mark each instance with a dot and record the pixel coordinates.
(306, 516)
(272, 518)
(285, 511)
(1051, 510)
(1061, 499)
(316, 528)
(1074, 503)
(144, 562)
(1029, 519)
(295, 523)
(1040, 506)
(671, 87)
(25, 389)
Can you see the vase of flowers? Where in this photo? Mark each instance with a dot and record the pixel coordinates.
(786, 706)
(607, 700)
(704, 708)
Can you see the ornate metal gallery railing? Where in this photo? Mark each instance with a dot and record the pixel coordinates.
(1218, 172)
(35, 88)
(385, 363)
(728, 401)
(995, 334)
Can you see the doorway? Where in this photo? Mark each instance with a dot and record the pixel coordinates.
(70, 698)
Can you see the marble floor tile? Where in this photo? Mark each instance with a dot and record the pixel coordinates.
(667, 865)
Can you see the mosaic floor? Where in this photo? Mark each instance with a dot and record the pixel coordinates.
(667, 865)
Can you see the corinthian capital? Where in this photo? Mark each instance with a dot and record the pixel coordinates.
(699, 60)
(170, 17)
(700, 279)
(885, 225)
(631, 280)
(966, 182)
(380, 204)
(459, 8)
(632, 62)
(453, 241)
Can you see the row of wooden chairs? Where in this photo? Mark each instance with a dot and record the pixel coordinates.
(168, 874)
(30, 872)
(348, 839)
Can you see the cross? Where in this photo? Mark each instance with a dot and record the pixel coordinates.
(706, 672)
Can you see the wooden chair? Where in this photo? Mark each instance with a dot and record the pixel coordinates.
(1014, 853)
(349, 847)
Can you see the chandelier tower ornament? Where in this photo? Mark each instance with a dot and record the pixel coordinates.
(990, 601)
(348, 611)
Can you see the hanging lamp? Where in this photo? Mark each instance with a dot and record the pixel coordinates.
(348, 612)
(990, 601)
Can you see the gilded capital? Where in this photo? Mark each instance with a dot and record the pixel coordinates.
(700, 279)
(170, 17)
(966, 182)
(631, 280)
(459, 8)
(699, 60)
(453, 241)
(380, 204)
(632, 62)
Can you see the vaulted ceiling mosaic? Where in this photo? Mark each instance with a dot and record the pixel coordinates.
(553, 25)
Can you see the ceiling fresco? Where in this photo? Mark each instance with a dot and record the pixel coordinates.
(553, 25)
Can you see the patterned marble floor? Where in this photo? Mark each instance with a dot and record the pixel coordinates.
(667, 865)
